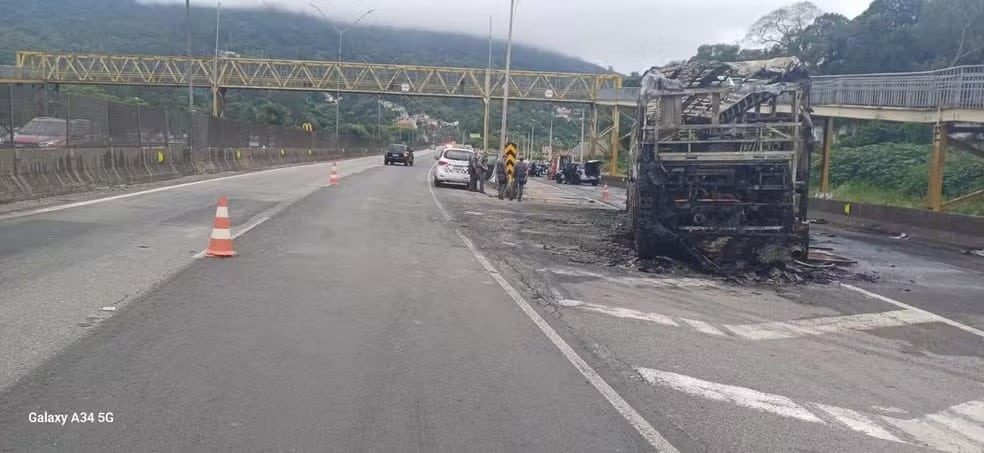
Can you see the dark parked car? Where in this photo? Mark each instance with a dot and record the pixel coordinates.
(578, 173)
(398, 153)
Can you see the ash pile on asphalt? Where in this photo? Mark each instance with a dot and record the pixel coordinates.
(601, 237)
(615, 249)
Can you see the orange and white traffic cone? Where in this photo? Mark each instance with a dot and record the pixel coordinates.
(604, 193)
(220, 244)
(333, 179)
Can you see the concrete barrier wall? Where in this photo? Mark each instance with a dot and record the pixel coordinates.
(957, 229)
(614, 181)
(36, 173)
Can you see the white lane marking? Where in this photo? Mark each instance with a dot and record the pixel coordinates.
(667, 282)
(959, 424)
(933, 435)
(858, 422)
(627, 411)
(769, 330)
(973, 410)
(255, 224)
(78, 204)
(829, 324)
(269, 213)
(741, 396)
(938, 318)
(622, 312)
(702, 326)
(949, 430)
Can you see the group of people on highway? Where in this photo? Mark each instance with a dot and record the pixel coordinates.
(478, 167)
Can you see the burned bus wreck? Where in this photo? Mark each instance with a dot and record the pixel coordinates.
(720, 173)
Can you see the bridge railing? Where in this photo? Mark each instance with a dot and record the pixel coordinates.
(18, 73)
(958, 87)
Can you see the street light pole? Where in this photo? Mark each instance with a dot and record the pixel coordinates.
(581, 144)
(340, 31)
(550, 140)
(529, 154)
(505, 88)
(488, 94)
(215, 61)
(338, 94)
(191, 86)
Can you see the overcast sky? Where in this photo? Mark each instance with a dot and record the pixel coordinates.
(629, 35)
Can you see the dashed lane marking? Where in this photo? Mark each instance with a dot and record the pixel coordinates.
(957, 429)
(829, 324)
(769, 330)
(641, 425)
(937, 318)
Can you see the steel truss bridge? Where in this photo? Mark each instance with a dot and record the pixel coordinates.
(221, 74)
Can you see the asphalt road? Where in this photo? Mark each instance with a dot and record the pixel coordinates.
(59, 269)
(367, 317)
(895, 364)
(353, 320)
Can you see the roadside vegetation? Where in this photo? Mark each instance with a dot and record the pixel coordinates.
(888, 164)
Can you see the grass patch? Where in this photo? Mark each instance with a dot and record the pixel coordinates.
(860, 192)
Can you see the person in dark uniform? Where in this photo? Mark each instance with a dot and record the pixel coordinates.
(483, 171)
(501, 177)
(473, 172)
(522, 172)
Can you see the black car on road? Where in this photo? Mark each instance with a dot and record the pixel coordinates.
(398, 153)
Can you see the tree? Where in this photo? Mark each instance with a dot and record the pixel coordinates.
(632, 80)
(882, 40)
(717, 52)
(821, 45)
(778, 27)
(953, 31)
(274, 114)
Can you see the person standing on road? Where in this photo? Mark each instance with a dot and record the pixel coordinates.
(483, 170)
(522, 172)
(501, 177)
(473, 172)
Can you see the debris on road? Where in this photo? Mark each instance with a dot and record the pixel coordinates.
(818, 255)
(567, 235)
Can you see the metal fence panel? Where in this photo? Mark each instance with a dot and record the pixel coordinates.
(32, 116)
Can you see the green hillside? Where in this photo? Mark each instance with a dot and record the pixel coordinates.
(125, 26)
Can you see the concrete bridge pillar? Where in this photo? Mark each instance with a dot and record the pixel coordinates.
(218, 101)
(828, 143)
(934, 196)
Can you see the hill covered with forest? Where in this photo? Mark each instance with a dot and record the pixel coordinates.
(128, 26)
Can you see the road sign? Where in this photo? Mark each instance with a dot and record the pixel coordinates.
(510, 155)
(405, 87)
(548, 94)
(474, 136)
